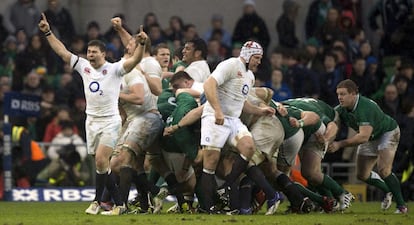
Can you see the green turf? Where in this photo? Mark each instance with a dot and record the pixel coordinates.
(63, 213)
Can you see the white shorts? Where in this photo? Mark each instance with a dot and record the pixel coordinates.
(268, 135)
(289, 149)
(388, 141)
(217, 135)
(175, 161)
(102, 131)
(314, 145)
(142, 130)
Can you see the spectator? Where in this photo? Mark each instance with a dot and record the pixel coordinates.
(8, 56)
(317, 14)
(405, 90)
(37, 54)
(302, 81)
(391, 102)
(251, 26)
(77, 45)
(111, 32)
(365, 49)
(354, 40)
(347, 22)
(374, 71)
(393, 14)
(23, 14)
(4, 33)
(93, 32)
(365, 86)
(312, 48)
(285, 25)
(79, 115)
(217, 24)
(149, 20)
(175, 30)
(330, 30)
(156, 35)
(67, 154)
(32, 84)
(190, 32)
(60, 20)
(276, 59)
(281, 90)
(22, 39)
(115, 49)
(47, 112)
(214, 53)
(329, 79)
(53, 127)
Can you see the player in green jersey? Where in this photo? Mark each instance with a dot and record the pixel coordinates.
(313, 151)
(377, 139)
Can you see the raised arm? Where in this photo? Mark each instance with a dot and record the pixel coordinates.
(140, 40)
(54, 43)
(123, 34)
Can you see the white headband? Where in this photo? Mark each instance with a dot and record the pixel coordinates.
(250, 48)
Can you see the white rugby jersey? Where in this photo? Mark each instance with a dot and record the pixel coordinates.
(151, 67)
(234, 83)
(150, 101)
(101, 86)
(198, 70)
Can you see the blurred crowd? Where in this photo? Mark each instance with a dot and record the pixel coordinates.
(335, 49)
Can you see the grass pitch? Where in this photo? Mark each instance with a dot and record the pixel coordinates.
(63, 213)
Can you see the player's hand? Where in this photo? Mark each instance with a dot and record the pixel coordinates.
(170, 130)
(294, 122)
(281, 109)
(142, 36)
(43, 24)
(268, 111)
(333, 147)
(219, 117)
(116, 23)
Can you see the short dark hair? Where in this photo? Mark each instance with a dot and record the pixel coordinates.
(199, 45)
(180, 75)
(98, 43)
(350, 85)
(160, 46)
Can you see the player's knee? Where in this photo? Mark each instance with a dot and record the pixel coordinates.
(362, 176)
(384, 172)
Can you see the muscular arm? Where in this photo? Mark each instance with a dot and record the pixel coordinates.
(131, 62)
(331, 131)
(190, 118)
(123, 34)
(154, 84)
(249, 108)
(210, 91)
(194, 93)
(54, 43)
(361, 137)
(135, 95)
(308, 118)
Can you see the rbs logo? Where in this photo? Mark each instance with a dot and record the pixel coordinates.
(17, 104)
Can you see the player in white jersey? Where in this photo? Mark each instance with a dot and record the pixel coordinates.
(102, 81)
(226, 92)
(142, 128)
(195, 54)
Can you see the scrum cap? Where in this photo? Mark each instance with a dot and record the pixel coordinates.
(250, 48)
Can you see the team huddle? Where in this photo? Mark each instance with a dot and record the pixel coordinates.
(214, 136)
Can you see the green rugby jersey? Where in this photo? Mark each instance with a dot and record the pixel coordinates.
(367, 112)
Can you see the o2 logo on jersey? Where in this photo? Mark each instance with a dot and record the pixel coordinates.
(94, 87)
(245, 89)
